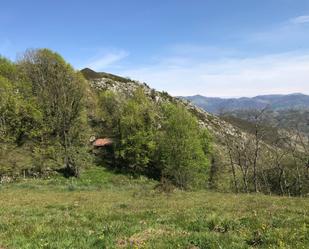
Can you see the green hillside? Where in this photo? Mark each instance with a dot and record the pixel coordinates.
(52, 115)
(95, 160)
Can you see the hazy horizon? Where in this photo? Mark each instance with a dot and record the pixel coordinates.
(238, 97)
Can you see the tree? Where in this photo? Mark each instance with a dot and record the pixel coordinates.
(20, 119)
(60, 94)
(7, 69)
(257, 118)
(136, 134)
(299, 147)
(110, 110)
(229, 141)
(183, 148)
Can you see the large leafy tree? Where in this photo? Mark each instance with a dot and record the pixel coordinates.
(60, 94)
(8, 112)
(137, 127)
(183, 148)
(20, 118)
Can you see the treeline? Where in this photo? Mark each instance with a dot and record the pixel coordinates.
(268, 160)
(159, 139)
(288, 119)
(48, 113)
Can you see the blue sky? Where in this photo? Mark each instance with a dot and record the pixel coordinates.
(209, 47)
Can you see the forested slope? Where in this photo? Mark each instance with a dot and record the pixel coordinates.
(50, 113)
(248, 157)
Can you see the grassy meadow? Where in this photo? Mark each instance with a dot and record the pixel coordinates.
(104, 210)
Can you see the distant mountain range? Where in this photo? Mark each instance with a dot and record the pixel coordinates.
(274, 102)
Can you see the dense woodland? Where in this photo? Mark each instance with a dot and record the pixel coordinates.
(49, 111)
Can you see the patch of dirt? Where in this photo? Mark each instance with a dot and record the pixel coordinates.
(140, 239)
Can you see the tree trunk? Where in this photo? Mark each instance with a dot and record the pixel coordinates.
(233, 171)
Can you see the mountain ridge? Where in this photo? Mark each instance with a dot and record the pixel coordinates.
(218, 105)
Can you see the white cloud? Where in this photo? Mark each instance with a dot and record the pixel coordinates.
(290, 32)
(276, 73)
(106, 60)
(300, 20)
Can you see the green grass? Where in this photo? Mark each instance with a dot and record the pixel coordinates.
(103, 210)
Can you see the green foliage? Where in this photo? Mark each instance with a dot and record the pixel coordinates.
(20, 120)
(110, 111)
(7, 69)
(8, 110)
(42, 112)
(136, 132)
(158, 141)
(60, 93)
(183, 147)
(44, 106)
